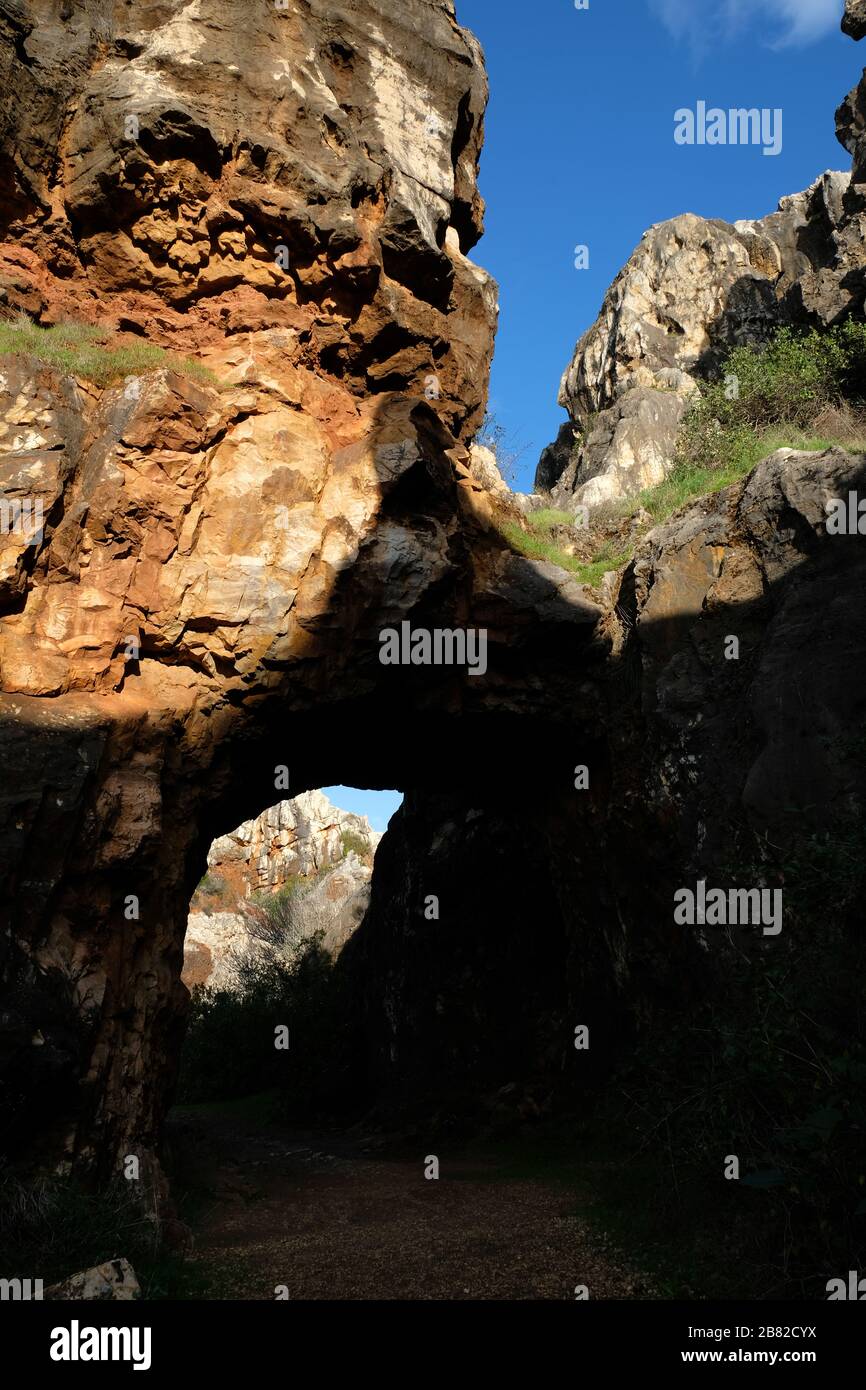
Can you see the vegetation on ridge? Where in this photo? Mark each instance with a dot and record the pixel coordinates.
(801, 391)
(94, 354)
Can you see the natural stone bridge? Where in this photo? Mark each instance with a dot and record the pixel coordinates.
(220, 555)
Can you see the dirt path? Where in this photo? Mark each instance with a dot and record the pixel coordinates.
(335, 1217)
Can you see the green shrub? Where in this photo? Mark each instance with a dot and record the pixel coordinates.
(53, 1227)
(689, 480)
(786, 383)
(800, 391)
(229, 1049)
(353, 843)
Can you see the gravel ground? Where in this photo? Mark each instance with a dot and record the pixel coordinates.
(334, 1218)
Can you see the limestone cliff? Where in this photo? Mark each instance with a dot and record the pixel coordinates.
(293, 839)
(693, 289)
(854, 21)
(306, 843)
(289, 195)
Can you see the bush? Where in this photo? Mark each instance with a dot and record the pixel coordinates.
(790, 382)
(507, 451)
(49, 1227)
(284, 977)
(353, 843)
(264, 901)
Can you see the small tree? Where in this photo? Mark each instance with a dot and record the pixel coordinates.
(506, 448)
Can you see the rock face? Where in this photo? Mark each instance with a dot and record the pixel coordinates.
(851, 131)
(704, 759)
(151, 173)
(624, 450)
(213, 942)
(854, 19)
(204, 603)
(202, 609)
(294, 838)
(307, 838)
(692, 290)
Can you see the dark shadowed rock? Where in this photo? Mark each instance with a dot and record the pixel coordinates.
(854, 18)
(555, 459)
(701, 758)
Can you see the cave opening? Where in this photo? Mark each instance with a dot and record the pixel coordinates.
(283, 894)
(314, 852)
(417, 967)
(359, 1035)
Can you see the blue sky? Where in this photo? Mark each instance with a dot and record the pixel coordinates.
(378, 807)
(579, 150)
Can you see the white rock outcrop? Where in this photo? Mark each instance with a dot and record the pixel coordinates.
(307, 838)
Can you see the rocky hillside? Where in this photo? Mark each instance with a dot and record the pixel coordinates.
(692, 290)
(294, 839)
(280, 204)
(220, 550)
(305, 844)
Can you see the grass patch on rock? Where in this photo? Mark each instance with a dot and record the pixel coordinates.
(536, 544)
(801, 391)
(94, 354)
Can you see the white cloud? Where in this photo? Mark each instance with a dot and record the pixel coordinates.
(703, 23)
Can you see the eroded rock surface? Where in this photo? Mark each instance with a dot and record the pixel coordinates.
(306, 843)
(692, 290)
(854, 19)
(203, 605)
(289, 196)
(157, 155)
